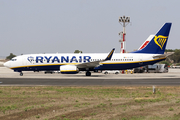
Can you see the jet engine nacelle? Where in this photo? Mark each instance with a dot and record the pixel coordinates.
(69, 69)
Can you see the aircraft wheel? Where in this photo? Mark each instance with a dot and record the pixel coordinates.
(21, 74)
(88, 73)
(106, 73)
(116, 73)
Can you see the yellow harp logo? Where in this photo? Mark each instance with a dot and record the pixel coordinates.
(160, 40)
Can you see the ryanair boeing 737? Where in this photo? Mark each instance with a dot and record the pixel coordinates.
(152, 53)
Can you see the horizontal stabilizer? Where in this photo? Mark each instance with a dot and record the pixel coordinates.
(163, 55)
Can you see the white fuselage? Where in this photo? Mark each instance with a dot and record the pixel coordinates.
(119, 61)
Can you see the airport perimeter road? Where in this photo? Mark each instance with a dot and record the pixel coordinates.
(87, 82)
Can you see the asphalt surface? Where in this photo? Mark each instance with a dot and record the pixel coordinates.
(87, 82)
(10, 78)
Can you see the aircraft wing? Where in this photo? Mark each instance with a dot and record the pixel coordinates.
(95, 63)
(163, 55)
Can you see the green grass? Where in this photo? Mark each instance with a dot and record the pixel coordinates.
(97, 101)
(6, 108)
(171, 109)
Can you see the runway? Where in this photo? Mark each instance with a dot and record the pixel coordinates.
(10, 78)
(87, 82)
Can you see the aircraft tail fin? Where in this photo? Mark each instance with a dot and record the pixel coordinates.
(146, 42)
(158, 43)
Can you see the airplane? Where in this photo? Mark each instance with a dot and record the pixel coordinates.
(152, 53)
(146, 42)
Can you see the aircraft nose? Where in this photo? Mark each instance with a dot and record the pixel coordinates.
(6, 64)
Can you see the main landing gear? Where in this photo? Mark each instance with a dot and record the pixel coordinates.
(88, 73)
(21, 74)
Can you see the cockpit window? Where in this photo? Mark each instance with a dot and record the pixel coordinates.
(13, 59)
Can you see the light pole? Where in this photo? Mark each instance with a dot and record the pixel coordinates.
(125, 21)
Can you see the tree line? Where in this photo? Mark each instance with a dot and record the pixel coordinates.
(174, 58)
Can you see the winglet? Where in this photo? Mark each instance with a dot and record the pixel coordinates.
(110, 54)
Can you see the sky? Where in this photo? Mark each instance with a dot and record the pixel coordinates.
(91, 26)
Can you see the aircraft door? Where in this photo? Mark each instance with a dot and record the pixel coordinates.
(23, 61)
(141, 60)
